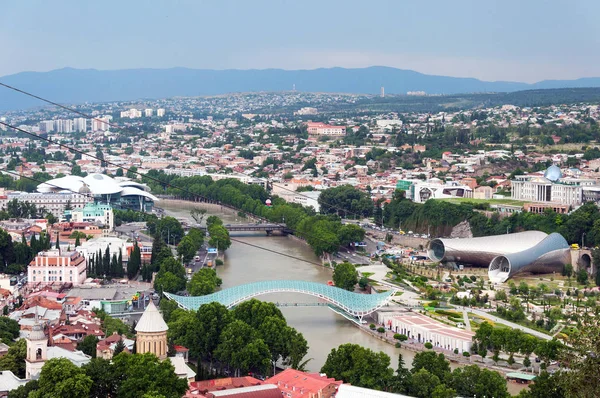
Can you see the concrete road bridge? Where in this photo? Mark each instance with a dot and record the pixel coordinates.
(356, 305)
(268, 228)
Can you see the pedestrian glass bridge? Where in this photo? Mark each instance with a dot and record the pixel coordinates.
(353, 304)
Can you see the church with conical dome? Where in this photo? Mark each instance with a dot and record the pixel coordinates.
(151, 331)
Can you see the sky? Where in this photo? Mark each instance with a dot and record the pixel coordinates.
(516, 40)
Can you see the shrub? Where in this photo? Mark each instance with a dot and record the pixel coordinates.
(466, 354)
(218, 262)
(372, 326)
(473, 278)
(398, 345)
(456, 350)
(401, 337)
(381, 329)
(428, 345)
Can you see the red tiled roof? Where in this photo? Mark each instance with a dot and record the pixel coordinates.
(295, 383)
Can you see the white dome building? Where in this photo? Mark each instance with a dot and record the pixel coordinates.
(119, 193)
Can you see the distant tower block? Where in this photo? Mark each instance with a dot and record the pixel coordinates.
(294, 87)
(382, 92)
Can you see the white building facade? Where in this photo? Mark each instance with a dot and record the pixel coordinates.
(56, 266)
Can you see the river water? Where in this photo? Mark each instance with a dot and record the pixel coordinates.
(322, 328)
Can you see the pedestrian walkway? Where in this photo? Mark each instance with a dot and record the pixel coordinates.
(466, 320)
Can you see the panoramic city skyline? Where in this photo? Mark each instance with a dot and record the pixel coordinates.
(498, 41)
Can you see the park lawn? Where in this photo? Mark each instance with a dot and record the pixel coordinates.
(489, 201)
(367, 274)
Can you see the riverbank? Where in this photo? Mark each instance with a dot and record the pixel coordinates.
(415, 346)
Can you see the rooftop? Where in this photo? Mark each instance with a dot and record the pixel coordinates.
(151, 321)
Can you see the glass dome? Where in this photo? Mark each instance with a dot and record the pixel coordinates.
(553, 173)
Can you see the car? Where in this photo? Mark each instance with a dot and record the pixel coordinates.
(410, 232)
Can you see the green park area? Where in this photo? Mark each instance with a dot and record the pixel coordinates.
(491, 202)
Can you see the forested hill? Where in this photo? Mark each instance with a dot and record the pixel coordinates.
(70, 85)
(454, 102)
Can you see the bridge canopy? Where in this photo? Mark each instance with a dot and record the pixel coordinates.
(355, 304)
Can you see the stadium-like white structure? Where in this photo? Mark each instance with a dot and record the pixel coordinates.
(117, 192)
(506, 255)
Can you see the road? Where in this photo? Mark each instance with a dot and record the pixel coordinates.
(507, 323)
(131, 229)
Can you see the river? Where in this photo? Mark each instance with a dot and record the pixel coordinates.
(322, 328)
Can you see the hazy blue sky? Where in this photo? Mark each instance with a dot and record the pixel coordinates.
(524, 40)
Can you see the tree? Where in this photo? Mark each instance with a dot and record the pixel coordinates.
(198, 214)
(105, 380)
(212, 319)
(24, 390)
(7, 254)
(363, 282)
(345, 276)
(350, 233)
(254, 312)
(345, 200)
(423, 384)
(582, 276)
(403, 376)
(204, 282)
(545, 386)
(61, 378)
(119, 347)
(168, 282)
(88, 345)
(472, 381)
(145, 373)
(187, 248)
(132, 172)
(14, 360)
(135, 262)
(233, 341)
(358, 366)
(219, 237)
(568, 270)
(584, 356)
(169, 228)
(170, 277)
(436, 364)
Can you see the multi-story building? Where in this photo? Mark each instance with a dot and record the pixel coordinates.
(54, 203)
(80, 124)
(98, 213)
(160, 112)
(56, 266)
(421, 192)
(46, 126)
(550, 188)
(101, 123)
(148, 112)
(317, 128)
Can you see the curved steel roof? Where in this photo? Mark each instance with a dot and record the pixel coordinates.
(480, 251)
(96, 184)
(101, 184)
(355, 304)
(132, 191)
(549, 255)
(68, 183)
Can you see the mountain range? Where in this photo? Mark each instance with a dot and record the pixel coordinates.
(70, 85)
